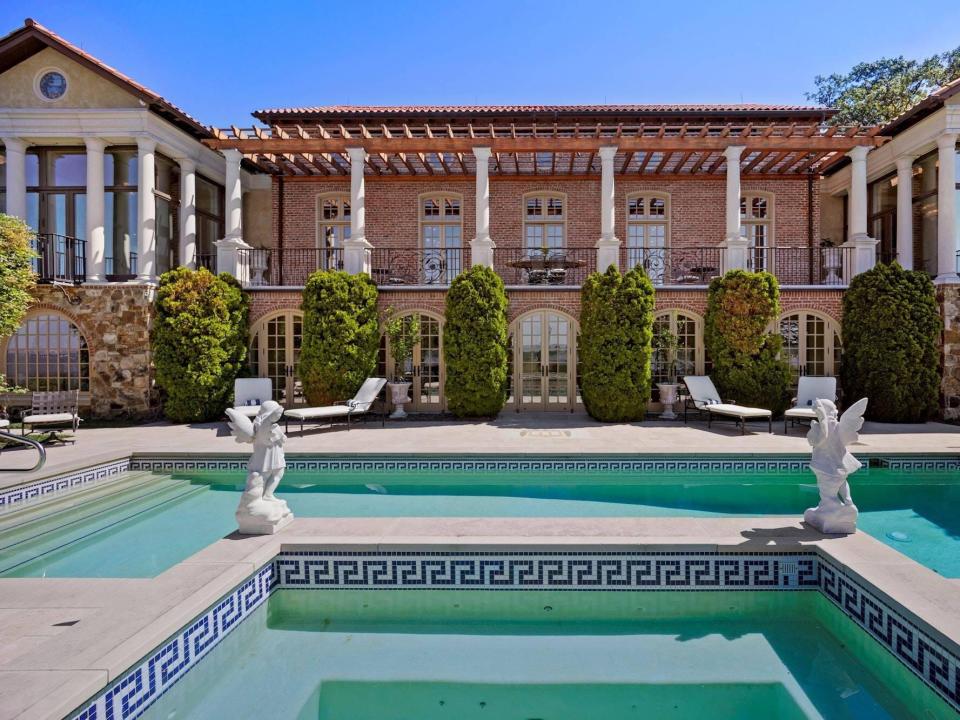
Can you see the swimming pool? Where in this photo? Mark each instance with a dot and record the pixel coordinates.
(143, 522)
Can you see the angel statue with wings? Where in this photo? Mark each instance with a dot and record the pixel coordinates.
(260, 512)
(832, 463)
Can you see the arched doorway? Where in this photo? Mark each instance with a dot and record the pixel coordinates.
(275, 354)
(424, 368)
(543, 372)
(811, 343)
(47, 352)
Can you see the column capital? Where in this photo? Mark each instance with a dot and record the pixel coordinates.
(95, 144)
(482, 153)
(733, 152)
(607, 152)
(905, 162)
(232, 155)
(187, 164)
(146, 144)
(357, 154)
(859, 153)
(16, 144)
(947, 140)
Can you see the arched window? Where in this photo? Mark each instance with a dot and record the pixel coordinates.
(544, 222)
(811, 343)
(756, 225)
(648, 232)
(48, 352)
(441, 237)
(333, 228)
(687, 328)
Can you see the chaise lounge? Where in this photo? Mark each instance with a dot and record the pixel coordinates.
(809, 388)
(705, 399)
(360, 404)
(250, 393)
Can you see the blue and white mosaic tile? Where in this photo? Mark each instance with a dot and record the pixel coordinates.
(924, 463)
(62, 483)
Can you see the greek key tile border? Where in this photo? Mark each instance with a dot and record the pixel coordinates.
(61, 483)
(929, 463)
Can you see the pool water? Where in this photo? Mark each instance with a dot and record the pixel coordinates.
(547, 655)
(143, 523)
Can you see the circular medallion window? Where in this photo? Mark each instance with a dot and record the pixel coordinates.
(51, 84)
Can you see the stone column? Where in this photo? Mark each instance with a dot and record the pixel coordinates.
(736, 248)
(947, 210)
(147, 216)
(356, 250)
(482, 246)
(864, 247)
(16, 177)
(608, 246)
(188, 213)
(95, 231)
(233, 254)
(905, 211)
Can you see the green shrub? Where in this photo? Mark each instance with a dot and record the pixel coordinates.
(747, 364)
(475, 343)
(891, 333)
(616, 328)
(341, 335)
(16, 276)
(199, 341)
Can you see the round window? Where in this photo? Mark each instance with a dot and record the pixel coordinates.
(53, 85)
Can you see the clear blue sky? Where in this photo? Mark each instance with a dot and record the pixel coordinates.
(221, 60)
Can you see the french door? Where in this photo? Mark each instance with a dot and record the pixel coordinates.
(423, 368)
(275, 354)
(544, 362)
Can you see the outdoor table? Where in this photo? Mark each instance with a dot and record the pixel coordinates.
(544, 264)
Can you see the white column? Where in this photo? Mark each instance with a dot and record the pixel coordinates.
(864, 246)
(95, 231)
(16, 177)
(356, 252)
(947, 210)
(147, 217)
(905, 211)
(482, 246)
(735, 254)
(233, 254)
(188, 213)
(608, 246)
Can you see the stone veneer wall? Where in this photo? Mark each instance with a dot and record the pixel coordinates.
(949, 298)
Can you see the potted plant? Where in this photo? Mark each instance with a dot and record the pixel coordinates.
(403, 332)
(832, 261)
(665, 346)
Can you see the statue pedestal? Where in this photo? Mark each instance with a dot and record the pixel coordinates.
(249, 524)
(836, 519)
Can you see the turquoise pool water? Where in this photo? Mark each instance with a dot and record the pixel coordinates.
(541, 655)
(145, 523)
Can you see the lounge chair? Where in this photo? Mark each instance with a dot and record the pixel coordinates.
(60, 407)
(705, 399)
(250, 393)
(361, 404)
(809, 389)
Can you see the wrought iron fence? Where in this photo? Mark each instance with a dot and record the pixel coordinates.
(288, 267)
(416, 266)
(60, 258)
(117, 271)
(560, 266)
(804, 265)
(206, 260)
(674, 266)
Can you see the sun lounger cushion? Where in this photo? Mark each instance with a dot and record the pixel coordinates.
(804, 413)
(318, 412)
(48, 419)
(736, 410)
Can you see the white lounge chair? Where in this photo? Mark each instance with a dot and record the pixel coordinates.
(60, 407)
(250, 393)
(705, 398)
(347, 409)
(809, 388)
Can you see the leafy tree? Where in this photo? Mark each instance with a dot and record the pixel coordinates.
(199, 341)
(341, 335)
(475, 343)
(891, 334)
(16, 274)
(616, 329)
(747, 366)
(873, 93)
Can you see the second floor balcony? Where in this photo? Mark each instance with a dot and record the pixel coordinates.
(60, 258)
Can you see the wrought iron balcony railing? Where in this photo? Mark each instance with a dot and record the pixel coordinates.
(60, 258)
(117, 271)
(206, 260)
(674, 266)
(552, 266)
(416, 266)
(804, 265)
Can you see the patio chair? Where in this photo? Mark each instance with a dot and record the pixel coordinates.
(250, 393)
(810, 388)
(704, 398)
(360, 404)
(60, 407)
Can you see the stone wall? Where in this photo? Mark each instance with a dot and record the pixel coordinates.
(949, 298)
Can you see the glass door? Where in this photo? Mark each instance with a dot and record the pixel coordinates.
(422, 369)
(545, 361)
(275, 354)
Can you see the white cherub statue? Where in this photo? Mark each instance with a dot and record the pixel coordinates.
(833, 464)
(260, 512)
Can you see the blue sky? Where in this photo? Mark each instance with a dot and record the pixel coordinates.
(219, 61)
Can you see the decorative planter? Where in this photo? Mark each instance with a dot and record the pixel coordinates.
(399, 396)
(833, 263)
(668, 396)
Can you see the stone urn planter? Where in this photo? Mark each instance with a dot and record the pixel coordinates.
(833, 263)
(399, 396)
(668, 396)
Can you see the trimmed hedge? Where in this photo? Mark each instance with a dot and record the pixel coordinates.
(616, 329)
(16, 275)
(891, 334)
(747, 365)
(341, 335)
(475, 343)
(199, 341)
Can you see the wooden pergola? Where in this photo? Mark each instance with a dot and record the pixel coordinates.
(683, 149)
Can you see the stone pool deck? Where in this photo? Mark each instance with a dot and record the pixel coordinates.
(545, 433)
(63, 640)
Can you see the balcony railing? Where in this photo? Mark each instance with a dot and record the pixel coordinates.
(558, 266)
(674, 266)
(416, 266)
(115, 271)
(206, 260)
(804, 265)
(60, 258)
(289, 266)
